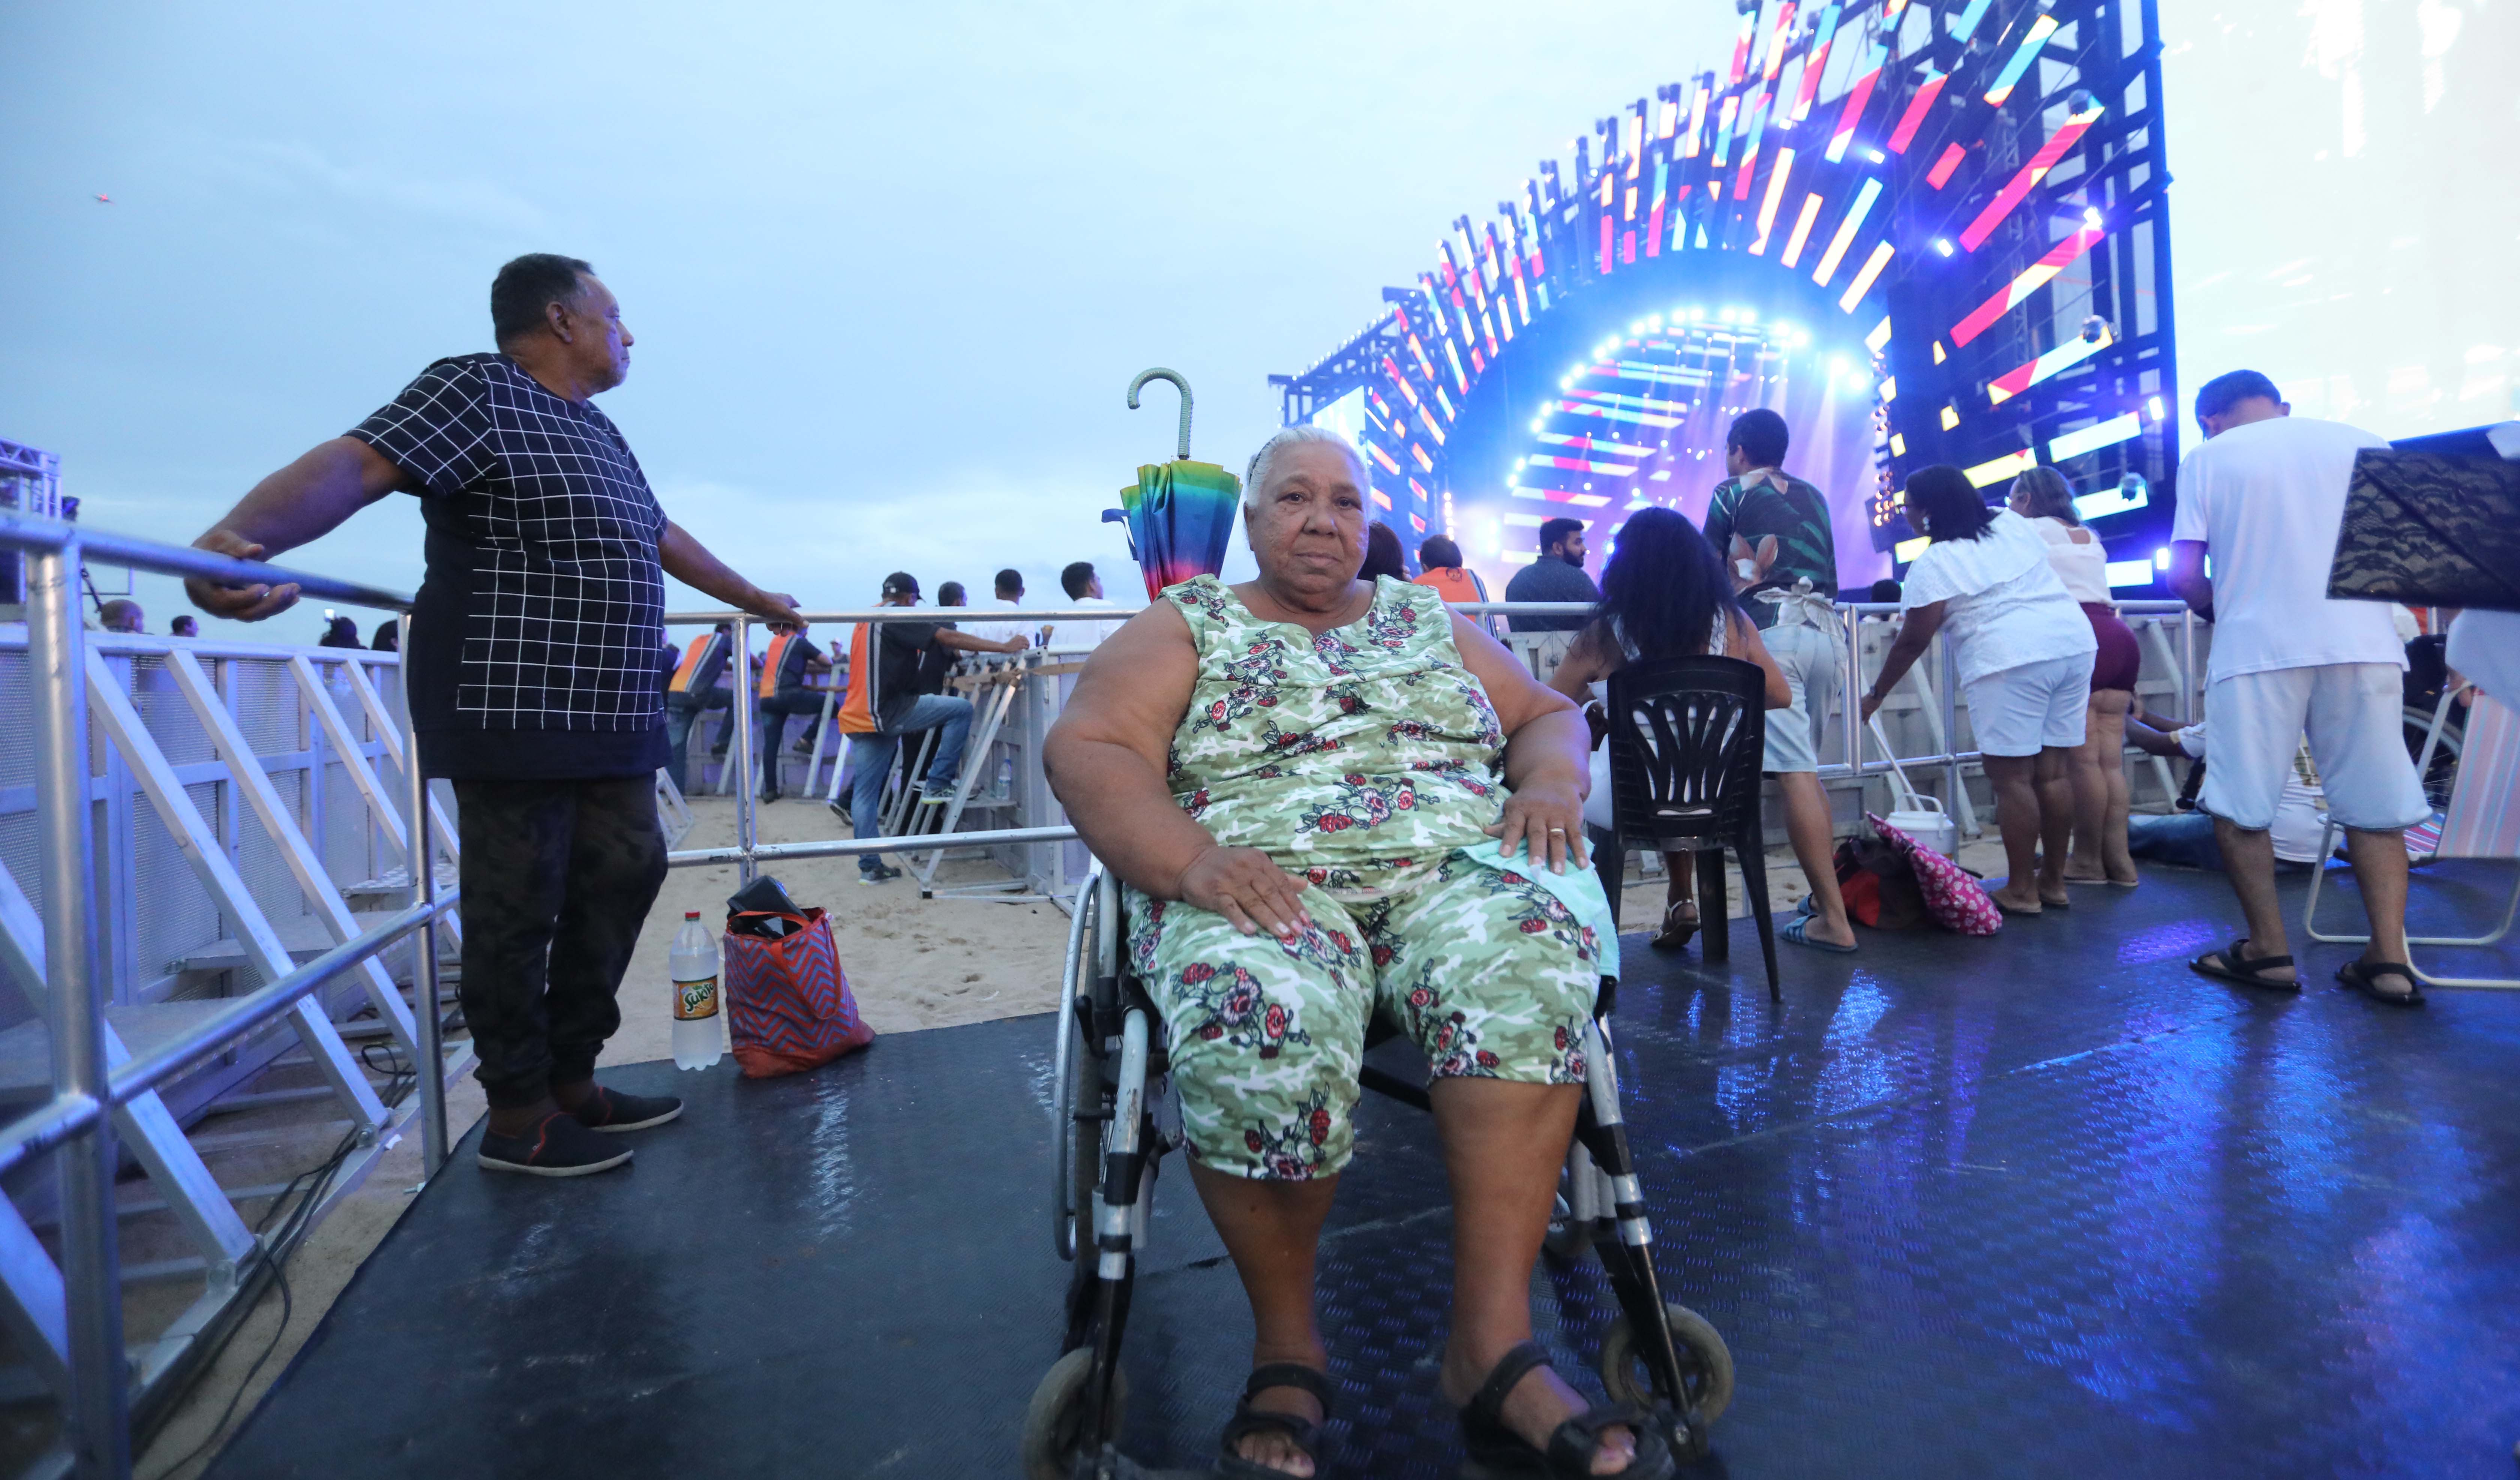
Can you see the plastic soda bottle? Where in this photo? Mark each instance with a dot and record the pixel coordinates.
(700, 1040)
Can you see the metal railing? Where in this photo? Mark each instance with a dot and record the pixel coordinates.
(76, 1123)
(749, 853)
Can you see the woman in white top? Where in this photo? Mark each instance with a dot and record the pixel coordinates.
(1664, 593)
(2025, 662)
(2098, 773)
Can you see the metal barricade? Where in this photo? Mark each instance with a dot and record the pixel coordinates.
(73, 1315)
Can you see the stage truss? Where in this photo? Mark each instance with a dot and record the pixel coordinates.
(1973, 191)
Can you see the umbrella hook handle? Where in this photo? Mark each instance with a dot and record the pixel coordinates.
(1179, 385)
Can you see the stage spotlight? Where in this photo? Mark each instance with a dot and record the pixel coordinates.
(2153, 405)
(1943, 244)
(1749, 316)
(2094, 327)
(2092, 217)
(1837, 364)
(1876, 155)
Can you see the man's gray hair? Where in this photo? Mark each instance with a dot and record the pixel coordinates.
(1256, 476)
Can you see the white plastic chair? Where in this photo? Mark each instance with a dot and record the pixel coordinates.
(2483, 822)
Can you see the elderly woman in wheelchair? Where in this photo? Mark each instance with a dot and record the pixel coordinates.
(1331, 799)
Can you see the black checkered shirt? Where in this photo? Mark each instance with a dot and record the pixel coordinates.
(534, 644)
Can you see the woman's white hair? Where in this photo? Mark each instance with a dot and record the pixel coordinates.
(1256, 476)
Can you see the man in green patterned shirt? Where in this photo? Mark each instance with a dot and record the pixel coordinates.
(1776, 530)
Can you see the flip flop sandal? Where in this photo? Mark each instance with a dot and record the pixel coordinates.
(1498, 1453)
(1798, 932)
(1674, 933)
(2364, 980)
(1302, 1432)
(2243, 970)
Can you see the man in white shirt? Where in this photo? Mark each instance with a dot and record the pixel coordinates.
(1084, 589)
(1011, 590)
(2263, 496)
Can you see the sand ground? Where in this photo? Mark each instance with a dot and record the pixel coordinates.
(911, 963)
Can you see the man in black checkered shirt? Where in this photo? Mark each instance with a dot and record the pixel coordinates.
(533, 681)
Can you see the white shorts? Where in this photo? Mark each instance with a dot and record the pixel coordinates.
(1809, 658)
(2353, 713)
(2019, 711)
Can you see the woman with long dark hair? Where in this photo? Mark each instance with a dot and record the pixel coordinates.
(2025, 662)
(1664, 593)
(1383, 554)
(2098, 771)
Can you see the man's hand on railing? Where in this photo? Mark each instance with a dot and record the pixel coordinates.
(243, 604)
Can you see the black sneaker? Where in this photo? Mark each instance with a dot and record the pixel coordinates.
(611, 1110)
(555, 1147)
(840, 810)
(880, 874)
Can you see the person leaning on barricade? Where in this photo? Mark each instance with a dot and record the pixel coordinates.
(912, 662)
(2023, 650)
(1304, 780)
(532, 677)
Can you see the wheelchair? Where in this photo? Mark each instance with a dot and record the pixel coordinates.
(1114, 1120)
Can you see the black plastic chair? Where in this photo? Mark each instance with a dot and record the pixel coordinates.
(1686, 737)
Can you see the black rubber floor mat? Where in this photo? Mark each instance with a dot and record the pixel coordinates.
(2045, 1204)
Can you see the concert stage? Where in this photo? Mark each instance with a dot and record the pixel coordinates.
(2045, 1204)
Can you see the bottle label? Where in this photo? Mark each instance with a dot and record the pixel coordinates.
(695, 999)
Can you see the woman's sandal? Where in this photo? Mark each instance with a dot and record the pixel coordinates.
(1676, 932)
(1498, 1453)
(1798, 932)
(2228, 964)
(2360, 977)
(1302, 1432)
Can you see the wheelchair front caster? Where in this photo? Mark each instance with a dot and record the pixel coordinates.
(1567, 1239)
(1705, 1367)
(1058, 1431)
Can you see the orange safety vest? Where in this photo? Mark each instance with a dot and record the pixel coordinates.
(770, 664)
(691, 663)
(856, 712)
(1455, 583)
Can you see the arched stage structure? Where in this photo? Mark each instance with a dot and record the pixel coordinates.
(1925, 232)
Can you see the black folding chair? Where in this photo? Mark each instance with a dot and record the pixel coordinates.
(1687, 736)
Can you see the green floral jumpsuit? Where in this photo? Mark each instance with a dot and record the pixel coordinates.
(1369, 760)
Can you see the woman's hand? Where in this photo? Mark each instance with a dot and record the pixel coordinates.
(1871, 702)
(1546, 819)
(1247, 888)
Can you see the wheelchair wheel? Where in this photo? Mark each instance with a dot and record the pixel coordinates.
(1055, 1423)
(1705, 1362)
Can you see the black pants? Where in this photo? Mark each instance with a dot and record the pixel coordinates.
(558, 877)
(772, 726)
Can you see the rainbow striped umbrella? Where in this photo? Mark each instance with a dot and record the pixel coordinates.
(1180, 515)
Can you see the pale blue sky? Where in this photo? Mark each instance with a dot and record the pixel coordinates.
(891, 267)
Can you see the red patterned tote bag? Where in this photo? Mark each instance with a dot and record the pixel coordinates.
(789, 1006)
(1952, 899)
